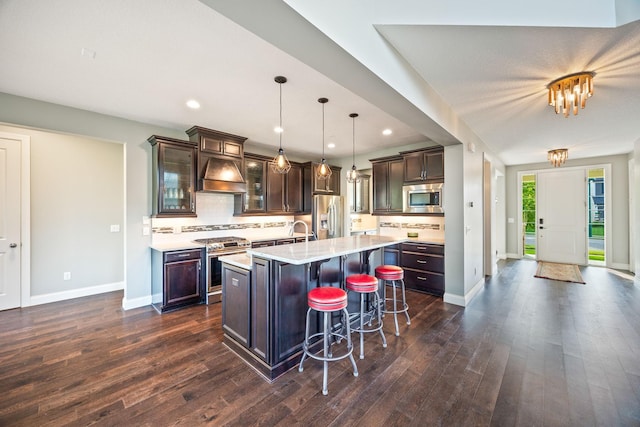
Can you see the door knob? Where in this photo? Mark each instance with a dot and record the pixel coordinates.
(12, 245)
(541, 227)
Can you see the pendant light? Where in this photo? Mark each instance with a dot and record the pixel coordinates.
(352, 175)
(280, 163)
(323, 171)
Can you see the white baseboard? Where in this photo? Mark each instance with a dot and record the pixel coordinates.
(128, 304)
(75, 293)
(514, 256)
(502, 256)
(465, 300)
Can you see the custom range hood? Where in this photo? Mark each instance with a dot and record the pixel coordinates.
(220, 159)
(222, 176)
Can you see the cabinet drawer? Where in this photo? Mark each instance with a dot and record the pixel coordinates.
(425, 262)
(424, 281)
(286, 241)
(263, 244)
(426, 248)
(182, 255)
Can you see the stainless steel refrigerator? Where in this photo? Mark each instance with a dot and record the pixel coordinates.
(328, 216)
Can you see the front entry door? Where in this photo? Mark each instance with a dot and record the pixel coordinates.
(561, 222)
(9, 223)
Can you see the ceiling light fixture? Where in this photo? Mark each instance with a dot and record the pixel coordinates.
(323, 171)
(566, 93)
(280, 163)
(558, 156)
(193, 104)
(387, 132)
(352, 175)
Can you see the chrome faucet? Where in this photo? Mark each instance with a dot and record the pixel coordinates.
(306, 229)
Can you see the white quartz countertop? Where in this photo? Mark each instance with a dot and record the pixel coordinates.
(433, 241)
(175, 246)
(276, 237)
(305, 252)
(239, 260)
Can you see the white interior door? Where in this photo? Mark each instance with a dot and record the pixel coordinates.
(562, 216)
(9, 223)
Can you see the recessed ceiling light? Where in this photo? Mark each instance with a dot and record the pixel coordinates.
(331, 145)
(278, 129)
(387, 132)
(88, 53)
(193, 104)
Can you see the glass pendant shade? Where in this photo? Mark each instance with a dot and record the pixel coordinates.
(323, 171)
(352, 175)
(280, 163)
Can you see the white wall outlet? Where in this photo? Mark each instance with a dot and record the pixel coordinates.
(66, 275)
(146, 230)
(511, 220)
(146, 220)
(177, 229)
(115, 228)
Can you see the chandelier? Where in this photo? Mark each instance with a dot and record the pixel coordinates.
(558, 156)
(280, 163)
(566, 93)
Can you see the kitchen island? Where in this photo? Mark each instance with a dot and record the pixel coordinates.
(264, 309)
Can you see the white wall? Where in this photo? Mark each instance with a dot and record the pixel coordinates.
(137, 152)
(77, 193)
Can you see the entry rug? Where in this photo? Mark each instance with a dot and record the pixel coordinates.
(561, 272)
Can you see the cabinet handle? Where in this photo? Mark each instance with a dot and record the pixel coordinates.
(421, 278)
(421, 247)
(183, 255)
(421, 261)
(199, 265)
(234, 282)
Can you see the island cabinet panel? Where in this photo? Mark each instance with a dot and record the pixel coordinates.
(423, 266)
(260, 309)
(236, 313)
(289, 308)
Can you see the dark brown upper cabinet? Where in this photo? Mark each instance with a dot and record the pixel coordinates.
(387, 185)
(173, 177)
(311, 185)
(423, 165)
(284, 191)
(269, 192)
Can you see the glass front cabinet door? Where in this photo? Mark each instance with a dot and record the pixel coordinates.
(174, 164)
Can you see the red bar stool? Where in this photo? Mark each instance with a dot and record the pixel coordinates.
(326, 300)
(394, 276)
(365, 284)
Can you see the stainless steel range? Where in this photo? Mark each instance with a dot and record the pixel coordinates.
(218, 246)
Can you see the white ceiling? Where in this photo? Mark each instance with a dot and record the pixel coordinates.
(452, 77)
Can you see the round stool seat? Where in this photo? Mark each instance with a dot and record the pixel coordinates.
(389, 272)
(362, 283)
(327, 299)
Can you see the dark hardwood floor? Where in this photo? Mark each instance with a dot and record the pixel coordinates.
(526, 351)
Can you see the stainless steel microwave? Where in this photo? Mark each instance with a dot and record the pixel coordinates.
(422, 198)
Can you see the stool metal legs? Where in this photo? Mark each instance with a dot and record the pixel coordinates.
(361, 330)
(327, 355)
(396, 310)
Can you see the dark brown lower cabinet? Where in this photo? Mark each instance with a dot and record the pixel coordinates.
(177, 278)
(423, 266)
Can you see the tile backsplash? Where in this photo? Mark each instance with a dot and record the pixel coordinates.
(428, 227)
(215, 218)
